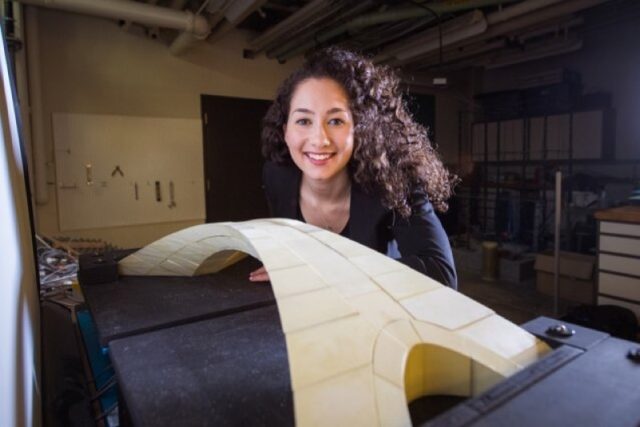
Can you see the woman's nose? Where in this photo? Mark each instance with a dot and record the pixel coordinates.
(320, 136)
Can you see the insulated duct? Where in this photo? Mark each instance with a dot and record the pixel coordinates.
(388, 16)
(515, 18)
(141, 13)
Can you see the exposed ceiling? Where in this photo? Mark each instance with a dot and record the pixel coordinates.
(417, 35)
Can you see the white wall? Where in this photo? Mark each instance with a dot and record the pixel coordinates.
(89, 65)
(608, 62)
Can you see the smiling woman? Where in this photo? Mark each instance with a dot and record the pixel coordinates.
(344, 154)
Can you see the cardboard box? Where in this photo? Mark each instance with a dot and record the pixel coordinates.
(517, 270)
(576, 282)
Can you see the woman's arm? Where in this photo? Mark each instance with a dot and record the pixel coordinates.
(423, 243)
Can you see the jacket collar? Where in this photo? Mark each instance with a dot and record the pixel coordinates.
(365, 211)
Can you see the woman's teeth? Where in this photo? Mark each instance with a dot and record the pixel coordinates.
(317, 156)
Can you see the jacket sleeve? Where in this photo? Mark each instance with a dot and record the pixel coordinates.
(423, 243)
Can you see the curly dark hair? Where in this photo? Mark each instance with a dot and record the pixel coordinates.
(392, 155)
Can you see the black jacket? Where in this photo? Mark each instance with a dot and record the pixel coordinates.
(418, 241)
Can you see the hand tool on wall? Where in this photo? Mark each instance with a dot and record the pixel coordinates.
(172, 201)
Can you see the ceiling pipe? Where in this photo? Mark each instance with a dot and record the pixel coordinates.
(473, 50)
(557, 27)
(566, 7)
(178, 4)
(474, 24)
(234, 14)
(519, 10)
(544, 10)
(453, 31)
(539, 52)
(389, 16)
(284, 27)
(141, 13)
(294, 42)
(492, 19)
(452, 56)
(186, 39)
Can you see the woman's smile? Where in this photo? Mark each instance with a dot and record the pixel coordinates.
(319, 129)
(319, 159)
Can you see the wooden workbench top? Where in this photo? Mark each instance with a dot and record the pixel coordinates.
(623, 213)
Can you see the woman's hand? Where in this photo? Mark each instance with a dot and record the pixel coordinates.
(259, 275)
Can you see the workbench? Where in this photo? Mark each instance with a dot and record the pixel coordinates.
(210, 351)
(176, 344)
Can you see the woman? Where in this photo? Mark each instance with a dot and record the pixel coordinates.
(344, 154)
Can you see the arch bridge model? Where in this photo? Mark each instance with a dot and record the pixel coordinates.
(365, 334)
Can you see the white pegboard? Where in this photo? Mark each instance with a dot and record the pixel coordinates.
(146, 150)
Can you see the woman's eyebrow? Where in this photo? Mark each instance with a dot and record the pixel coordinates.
(302, 110)
(336, 110)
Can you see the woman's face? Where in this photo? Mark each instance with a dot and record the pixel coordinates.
(319, 129)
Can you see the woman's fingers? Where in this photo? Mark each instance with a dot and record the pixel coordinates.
(259, 275)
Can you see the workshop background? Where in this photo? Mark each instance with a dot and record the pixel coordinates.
(141, 118)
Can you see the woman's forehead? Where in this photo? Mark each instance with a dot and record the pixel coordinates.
(319, 92)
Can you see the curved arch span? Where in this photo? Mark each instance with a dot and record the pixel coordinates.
(353, 319)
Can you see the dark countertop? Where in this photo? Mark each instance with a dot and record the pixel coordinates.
(136, 304)
(227, 371)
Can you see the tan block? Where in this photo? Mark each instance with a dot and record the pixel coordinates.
(323, 351)
(312, 308)
(149, 257)
(414, 371)
(403, 331)
(345, 247)
(133, 268)
(378, 307)
(389, 358)
(510, 342)
(189, 266)
(294, 280)
(434, 334)
(331, 267)
(160, 270)
(298, 225)
(405, 283)
(219, 261)
(355, 286)
(376, 264)
(393, 410)
(226, 243)
(483, 378)
(445, 307)
(251, 233)
(168, 244)
(346, 400)
(178, 267)
(282, 233)
(446, 372)
(279, 258)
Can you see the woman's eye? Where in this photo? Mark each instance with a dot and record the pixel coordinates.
(303, 122)
(336, 122)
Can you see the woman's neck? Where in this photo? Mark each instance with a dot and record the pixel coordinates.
(334, 190)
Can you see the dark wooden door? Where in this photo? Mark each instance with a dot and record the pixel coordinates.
(232, 158)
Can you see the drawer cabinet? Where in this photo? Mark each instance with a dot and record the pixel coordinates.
(619, 265)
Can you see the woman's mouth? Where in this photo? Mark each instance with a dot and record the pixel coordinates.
(319, 158)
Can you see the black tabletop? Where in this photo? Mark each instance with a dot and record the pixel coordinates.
(226, 371)
(136, 304)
